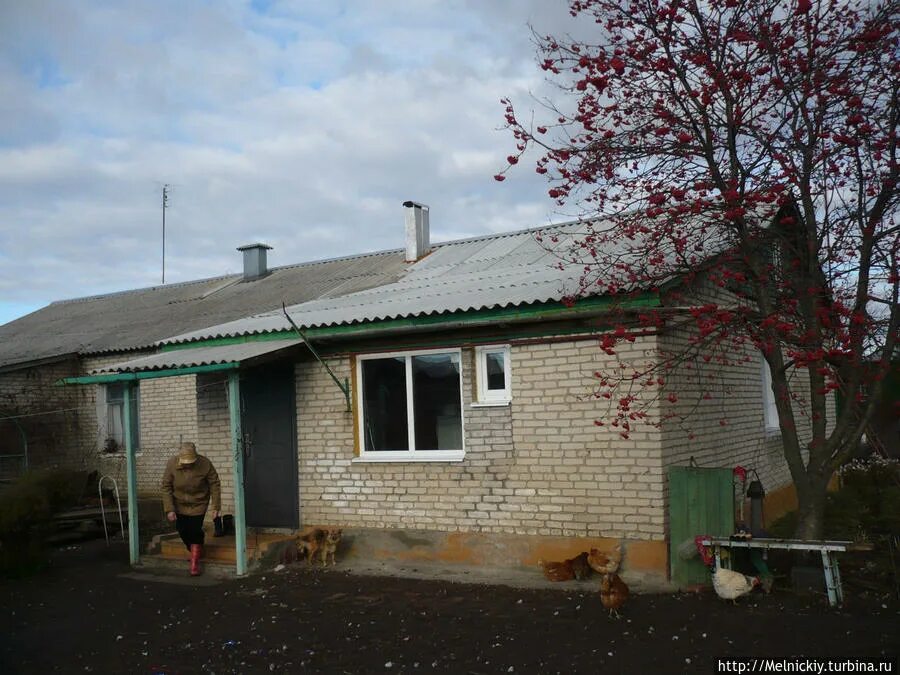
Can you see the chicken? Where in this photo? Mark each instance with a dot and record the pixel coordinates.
(605, 563)
(557, 571)
(580, 567)
(613, 593)
(731, 585)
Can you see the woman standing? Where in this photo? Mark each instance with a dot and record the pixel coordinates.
(188, 483)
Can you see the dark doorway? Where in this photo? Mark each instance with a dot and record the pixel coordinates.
(268, 421)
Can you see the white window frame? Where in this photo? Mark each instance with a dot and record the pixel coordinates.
(411, 455)
(489, 397)
(770, 410)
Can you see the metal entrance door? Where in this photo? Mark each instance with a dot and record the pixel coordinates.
(268, 421)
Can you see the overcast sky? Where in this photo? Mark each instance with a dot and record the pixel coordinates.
(302, 124)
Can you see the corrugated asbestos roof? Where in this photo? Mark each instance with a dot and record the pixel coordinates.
(140, 318)
(487, 272)
(495, 271)
(199, 356)
(490, 272)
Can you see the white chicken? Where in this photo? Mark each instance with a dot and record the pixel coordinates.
(731, 585)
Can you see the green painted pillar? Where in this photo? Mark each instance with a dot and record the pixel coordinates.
(130, 468)
(237, 446)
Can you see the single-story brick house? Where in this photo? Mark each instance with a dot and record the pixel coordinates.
(47, 425)
(438, 406)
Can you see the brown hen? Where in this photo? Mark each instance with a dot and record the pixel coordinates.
(613, 593)
(580, 566)
(557, 571)
(605, 563)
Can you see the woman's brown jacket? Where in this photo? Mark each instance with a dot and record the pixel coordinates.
(187, 488)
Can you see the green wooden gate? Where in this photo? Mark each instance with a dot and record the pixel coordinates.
(701, 501)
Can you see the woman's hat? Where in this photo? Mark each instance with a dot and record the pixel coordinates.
(187, 454)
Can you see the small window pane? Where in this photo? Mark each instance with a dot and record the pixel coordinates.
(384, 404)
(115, 393)
(115, 415)
(115, 425)
(436, 402)
(496, 375)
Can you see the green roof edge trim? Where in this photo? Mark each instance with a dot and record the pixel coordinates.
(543, 311)
(149, 374)
(289, 334)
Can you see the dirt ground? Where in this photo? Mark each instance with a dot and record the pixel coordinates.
(81, 615)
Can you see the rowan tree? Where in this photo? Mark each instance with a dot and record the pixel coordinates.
(751, 146)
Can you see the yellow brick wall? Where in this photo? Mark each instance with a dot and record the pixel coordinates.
(538, 466)
(64, 429)
(214, 431)
(168, 417)
(729, 426)
(588, 480)
(53, 419)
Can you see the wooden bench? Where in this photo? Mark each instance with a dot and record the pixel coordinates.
(826, 548)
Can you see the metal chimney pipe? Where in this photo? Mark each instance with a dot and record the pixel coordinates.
(418, 242)
(255, 261)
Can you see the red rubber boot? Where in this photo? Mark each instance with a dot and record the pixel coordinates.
(196, 552)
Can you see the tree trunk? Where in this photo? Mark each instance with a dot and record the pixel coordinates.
(811, 510)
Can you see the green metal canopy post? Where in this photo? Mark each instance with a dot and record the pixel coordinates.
(240, 524)
(131, 470)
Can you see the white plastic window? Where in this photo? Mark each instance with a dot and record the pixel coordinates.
(410, 406)
(492, 366)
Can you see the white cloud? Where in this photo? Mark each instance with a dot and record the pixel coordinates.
(305, 125)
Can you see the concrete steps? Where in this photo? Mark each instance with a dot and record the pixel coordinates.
(168, 568)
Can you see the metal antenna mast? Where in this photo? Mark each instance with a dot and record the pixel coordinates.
(165, 205)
